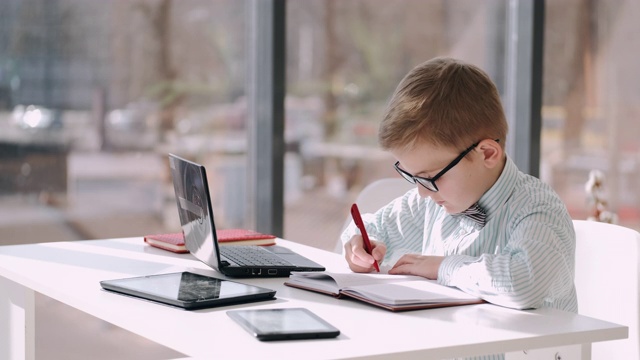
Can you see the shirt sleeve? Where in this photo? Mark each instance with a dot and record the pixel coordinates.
(536, 266)
(399, 224)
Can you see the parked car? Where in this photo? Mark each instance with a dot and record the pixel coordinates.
(35, 117)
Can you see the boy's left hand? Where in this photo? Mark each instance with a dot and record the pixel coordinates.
(421, 265)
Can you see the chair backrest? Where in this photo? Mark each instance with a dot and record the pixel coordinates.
(376, 195)
(607, 282)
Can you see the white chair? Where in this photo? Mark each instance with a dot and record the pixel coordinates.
(607, 283)
(376, 195)
(606, 279)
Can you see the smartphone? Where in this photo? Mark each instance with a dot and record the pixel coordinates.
(283, 324)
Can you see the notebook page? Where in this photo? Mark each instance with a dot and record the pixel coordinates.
(410, 292)
(344, 280)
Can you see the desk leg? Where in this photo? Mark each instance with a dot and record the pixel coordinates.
(17, 321)
(586, 351)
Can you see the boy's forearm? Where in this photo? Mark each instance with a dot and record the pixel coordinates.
(513, 279)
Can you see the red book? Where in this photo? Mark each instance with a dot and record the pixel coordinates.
(244, 237)
(175, 241)
(171, 242)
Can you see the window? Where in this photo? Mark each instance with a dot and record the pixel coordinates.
(344, 60)
(94, 94)
(590, 107)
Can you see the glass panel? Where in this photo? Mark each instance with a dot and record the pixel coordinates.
(94, 94)
(344, 60)
(590, 107)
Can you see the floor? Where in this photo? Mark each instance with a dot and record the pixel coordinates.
(63, 333)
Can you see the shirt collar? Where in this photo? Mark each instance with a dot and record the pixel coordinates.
(500, 192)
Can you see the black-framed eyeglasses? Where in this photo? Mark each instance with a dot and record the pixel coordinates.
(430, 183)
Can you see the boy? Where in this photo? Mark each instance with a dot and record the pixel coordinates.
(474, 220)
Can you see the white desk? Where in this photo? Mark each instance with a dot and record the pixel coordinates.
(70, 273)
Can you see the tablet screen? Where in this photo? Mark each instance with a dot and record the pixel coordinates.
(186, 289)
(281, 324)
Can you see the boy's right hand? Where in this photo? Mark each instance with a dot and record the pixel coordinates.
(357, 257)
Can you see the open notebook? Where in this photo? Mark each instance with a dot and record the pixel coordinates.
(392, 292)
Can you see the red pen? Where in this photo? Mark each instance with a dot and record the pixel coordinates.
(355, 213)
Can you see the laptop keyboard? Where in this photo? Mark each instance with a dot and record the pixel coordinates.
(252, 256)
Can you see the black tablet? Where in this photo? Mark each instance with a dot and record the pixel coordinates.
(188, 290)
(283, 324)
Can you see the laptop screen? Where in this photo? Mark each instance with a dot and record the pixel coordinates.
(194, 207)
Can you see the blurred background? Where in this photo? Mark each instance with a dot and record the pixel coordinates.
(94, 94)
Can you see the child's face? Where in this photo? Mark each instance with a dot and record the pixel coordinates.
(460, 187)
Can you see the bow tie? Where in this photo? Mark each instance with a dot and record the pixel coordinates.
(475, 213)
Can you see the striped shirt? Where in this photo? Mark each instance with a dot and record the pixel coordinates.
(522, 258)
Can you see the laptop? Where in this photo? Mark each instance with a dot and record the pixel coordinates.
(198, 226)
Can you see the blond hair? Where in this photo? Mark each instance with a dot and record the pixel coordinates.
(445, 102)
